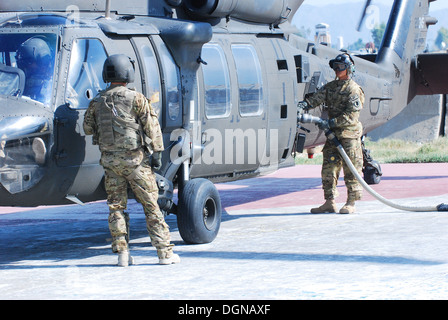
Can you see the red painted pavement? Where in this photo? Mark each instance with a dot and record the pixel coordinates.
(301, 185)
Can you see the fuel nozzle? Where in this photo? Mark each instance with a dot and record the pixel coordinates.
(307, 118)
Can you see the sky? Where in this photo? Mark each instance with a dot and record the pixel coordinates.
(346, 29)
(436, 5)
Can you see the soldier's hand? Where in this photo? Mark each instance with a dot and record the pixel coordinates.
(323, 125)
(326, 124)
(156, 160)
(302, 106)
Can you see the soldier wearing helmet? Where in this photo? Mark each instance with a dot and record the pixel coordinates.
(344, 99)
(35, 58)
(125, 127)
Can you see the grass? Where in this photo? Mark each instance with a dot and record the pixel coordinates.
(395, 151)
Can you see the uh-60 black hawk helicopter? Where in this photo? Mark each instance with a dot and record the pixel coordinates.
(225, 77)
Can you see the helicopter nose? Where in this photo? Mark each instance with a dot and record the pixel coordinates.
(25, 135)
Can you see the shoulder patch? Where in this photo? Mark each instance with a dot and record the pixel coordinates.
(355, 101)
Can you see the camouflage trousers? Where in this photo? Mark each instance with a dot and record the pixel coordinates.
(331, 168)
(128, 168)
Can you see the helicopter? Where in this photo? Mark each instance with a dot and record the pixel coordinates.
(224, 77)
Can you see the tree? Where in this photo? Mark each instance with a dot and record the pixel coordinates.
(442, 39)
(302, 32)
(358, 45)
(378, 33)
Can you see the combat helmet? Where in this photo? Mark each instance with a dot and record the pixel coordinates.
(343, 61)
(34, 50)
(118, 68)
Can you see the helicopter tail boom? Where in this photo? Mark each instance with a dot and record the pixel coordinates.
(405, 34)
(402, 50)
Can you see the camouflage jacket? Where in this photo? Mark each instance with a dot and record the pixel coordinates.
(119, 125)
(344, 99)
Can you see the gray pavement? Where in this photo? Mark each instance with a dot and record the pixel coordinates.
(260, 253)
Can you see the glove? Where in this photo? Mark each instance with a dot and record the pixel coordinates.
(326, 124)
(302, 106)
(323, 125)
(156, 160)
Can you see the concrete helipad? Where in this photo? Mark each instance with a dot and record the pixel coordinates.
(268, 247)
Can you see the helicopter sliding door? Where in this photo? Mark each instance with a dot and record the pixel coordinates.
(231, 119)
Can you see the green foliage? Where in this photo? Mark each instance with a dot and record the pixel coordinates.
(395, 151)
(357, 45)
(441, 41)
(378, 33)
(399, 151)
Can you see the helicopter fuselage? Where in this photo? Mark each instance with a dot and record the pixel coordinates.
(225, 90)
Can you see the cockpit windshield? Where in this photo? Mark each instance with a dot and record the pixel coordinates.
(27, 65)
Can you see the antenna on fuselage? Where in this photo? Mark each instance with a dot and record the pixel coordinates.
(107, 10)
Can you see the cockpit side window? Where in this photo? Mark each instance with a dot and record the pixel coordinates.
(85, 72)
(171, 80)
(152, 77)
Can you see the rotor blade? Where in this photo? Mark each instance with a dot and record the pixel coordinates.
(363, 14)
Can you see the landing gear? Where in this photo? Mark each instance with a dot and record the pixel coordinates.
(371, 168)
(199, 211)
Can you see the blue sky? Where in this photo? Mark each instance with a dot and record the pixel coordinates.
(347, 28)
(436, 5)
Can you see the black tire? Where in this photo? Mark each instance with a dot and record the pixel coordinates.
(199, 212)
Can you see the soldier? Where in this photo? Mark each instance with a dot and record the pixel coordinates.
(35, 58)
(344, 99)
(124, 125)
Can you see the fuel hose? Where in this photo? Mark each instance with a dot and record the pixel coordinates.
(306, 118)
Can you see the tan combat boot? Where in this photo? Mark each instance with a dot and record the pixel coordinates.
(328, 207)
(167, 256)
(125, 259)
(349, 207)
(171, 259)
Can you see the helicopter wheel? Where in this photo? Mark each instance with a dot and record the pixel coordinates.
(199, 212)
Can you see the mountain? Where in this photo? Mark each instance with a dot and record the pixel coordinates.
(343, 19)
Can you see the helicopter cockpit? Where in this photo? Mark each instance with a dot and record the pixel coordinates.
(27, 67)
(27, 61)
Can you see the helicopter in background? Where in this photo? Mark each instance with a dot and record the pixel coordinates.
(225, 77)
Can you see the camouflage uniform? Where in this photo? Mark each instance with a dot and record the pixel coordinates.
(344, 99)
(115, 118)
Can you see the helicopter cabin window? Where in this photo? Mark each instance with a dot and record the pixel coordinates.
(152, 77)
(250, 84)
(85, 72)
(216, 82)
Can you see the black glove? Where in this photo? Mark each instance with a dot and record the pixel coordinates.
(326, 124)
(323, 125)
(156, 160)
